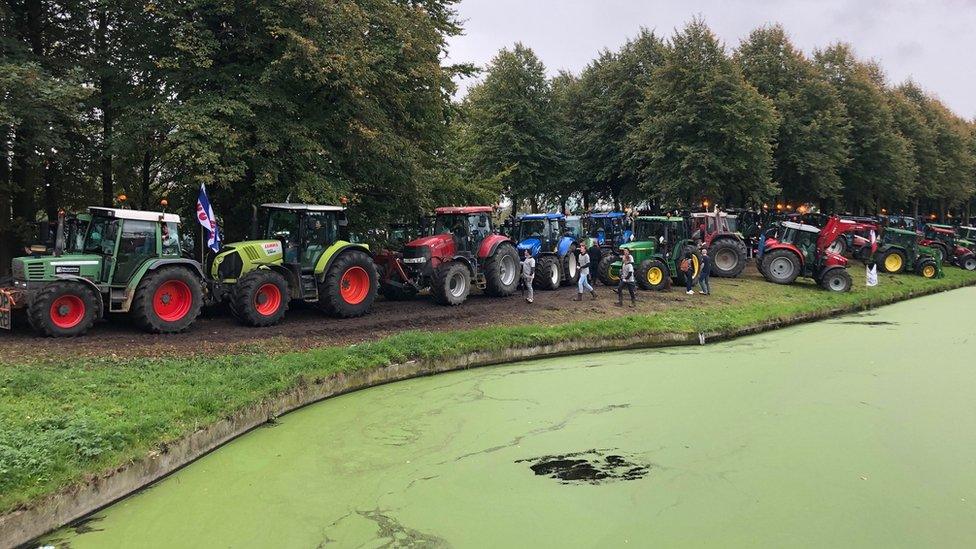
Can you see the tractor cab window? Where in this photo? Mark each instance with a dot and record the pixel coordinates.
(806, 242)
(532, 228)
(554, 233)
(451, 224)
(319, 231)
(100, 238)
(574, 228)
(283, 226)
(479, 227)
(170, 238)
(650, 230)
(138, 244)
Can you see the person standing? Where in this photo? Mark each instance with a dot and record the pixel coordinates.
(706, 270)
(686, 271)
(528, 275)
(584, 274)
(627, 280)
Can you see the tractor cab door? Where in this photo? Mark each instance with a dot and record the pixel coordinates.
(101, 239)
(138, 243)
(553, 234)
(283, 226)
(479, 227)
(319, 231)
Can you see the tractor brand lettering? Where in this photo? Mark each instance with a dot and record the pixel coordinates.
(74, 263)
(272, 248)
(414, 259)
(67, 269)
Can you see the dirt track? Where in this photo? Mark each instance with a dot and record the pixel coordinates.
(216, 332)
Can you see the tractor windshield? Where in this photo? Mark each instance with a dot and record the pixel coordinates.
(101, 235)
(533, 228)
(455, 224)
(650, 230)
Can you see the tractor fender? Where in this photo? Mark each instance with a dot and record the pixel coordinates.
(834, 261)
(152, 265)
(490, 244)
(333, 252)
(466, 261)
(85, 282)
(565, 245)
(781, 246)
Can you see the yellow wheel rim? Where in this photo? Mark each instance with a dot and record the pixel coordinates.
(655, 276)
(928, 271)
(893, 263)
(695, 266)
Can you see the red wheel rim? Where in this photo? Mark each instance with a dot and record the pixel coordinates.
(354, 285)
(67, 311)
(172, 300)
(267, 299)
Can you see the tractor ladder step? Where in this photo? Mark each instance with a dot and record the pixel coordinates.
(116, 300)
(310, 289)
(480, 281)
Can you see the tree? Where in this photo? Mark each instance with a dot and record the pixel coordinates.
(811, 145)
(706, 133)
(513, 126)
(881, 170)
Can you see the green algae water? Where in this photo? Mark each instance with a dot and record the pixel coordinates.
(853, 432)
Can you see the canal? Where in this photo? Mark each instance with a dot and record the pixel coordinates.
(856, 431)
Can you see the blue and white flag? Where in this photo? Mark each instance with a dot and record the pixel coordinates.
(206, 217)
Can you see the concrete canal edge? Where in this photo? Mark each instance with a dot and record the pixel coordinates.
(54, 511)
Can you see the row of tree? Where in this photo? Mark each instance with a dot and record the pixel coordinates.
(674, 123)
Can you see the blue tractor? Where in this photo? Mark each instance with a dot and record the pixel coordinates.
(605, 232)
(553, 245)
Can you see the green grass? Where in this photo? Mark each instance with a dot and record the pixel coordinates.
(61, 421)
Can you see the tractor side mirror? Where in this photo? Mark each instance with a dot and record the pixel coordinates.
(660, 239)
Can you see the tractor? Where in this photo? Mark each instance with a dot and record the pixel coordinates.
(951, 247)
(793, 249)
(462, 250)
(605, 232)
(659, 245)
(899, 250)
(547, 238)
(304, 254)
(128, 261)
(717, 231)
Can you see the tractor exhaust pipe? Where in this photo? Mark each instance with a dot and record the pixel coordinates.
(59, 235)
(254, 222)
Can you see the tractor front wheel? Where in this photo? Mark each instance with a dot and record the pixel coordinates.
(728, 257)
(780, 266)
(603, 269)
(349, 287)
(452, 283)
(63, 309)
(836, 280)
(893, 261)
(501, 271)
(570, 268)
(548, 275)
(168, 300)
(260, 298)
(927, 268)
(652, 274)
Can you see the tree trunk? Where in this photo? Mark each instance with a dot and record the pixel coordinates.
(146, 177)
(586, 201)
(941, 210)
(6, 238)
(534, 203)
(52, 200)
(101, 46)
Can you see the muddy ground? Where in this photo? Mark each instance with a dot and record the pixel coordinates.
(216, 331)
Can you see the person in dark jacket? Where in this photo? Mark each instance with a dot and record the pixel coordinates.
(706, 269)
(687, 271)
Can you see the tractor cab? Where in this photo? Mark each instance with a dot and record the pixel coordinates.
(608, 229)
(801, 236)
(303, 231)
(706, 225)
(547, 238)
(467, 227)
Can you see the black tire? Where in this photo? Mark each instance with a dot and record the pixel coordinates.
(883, 261)
(728, 256)
(349, 287)
(548, 273)
(79, 306)
(570, 268)
(502, 271)
(253, 298)
(942, 249)
(781, 266)
(603, 269)
(836, 280)
(967, 262)
(451, 284)
(653, 274)
(146, 314)
(927, 268)
(398, 293)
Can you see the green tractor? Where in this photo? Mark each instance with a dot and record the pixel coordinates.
(128, 261)
(304, 255)
(899, 251)
(658, 246)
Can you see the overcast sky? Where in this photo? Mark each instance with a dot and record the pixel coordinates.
(934, 41)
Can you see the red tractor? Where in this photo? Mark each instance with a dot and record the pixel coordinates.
(725, 245)
(798, 249)
(463, 250)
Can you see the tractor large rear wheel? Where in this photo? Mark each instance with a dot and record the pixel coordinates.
(452, 284)
(548, 273)
(781, 266)
(603, 269)
(349, 287)
(63, 309)
(728, 257)
(893, 261)
(652, 274)
(942, 250)
(501, 271)
(260, 298)
(836, 280)
(168, 300)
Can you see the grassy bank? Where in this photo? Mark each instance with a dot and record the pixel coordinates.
(65, 419)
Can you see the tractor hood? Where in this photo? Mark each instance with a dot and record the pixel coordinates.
(533, 245)
(644, 246)
(440, 245)
(47, 268)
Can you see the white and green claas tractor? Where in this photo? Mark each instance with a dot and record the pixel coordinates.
(303, 254)
(128, 261)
